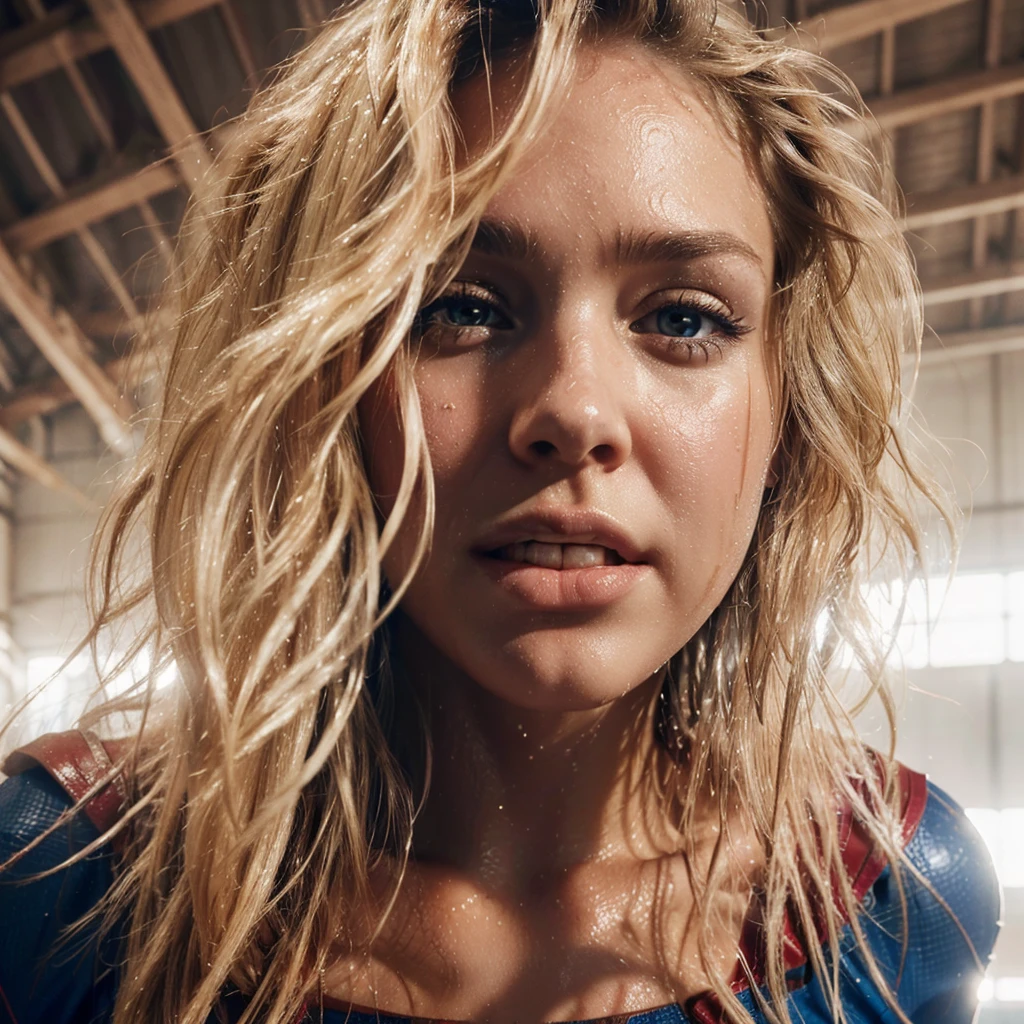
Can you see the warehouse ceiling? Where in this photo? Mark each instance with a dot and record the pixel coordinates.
(111, 110)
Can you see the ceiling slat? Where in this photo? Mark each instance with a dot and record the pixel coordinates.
(89, 207)
(843, 25)
(63, 345)
(974, 284)
(949, 205)
(23, 459)
(97, 118)
(81, 40)
(45, 170)
(989, 341)
(955, 92)
(132, 45)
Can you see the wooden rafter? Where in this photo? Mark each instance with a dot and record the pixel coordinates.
(45, 170)
(62, 343)
(50, 394)
(955, 92)
(235, 28)
(949, 205)
(131, 43)
(989, 341)
(82, 39)
(98, 120)
(89, 207)
(832, 28)
(986, 146)
(974, 284)
(23, 459)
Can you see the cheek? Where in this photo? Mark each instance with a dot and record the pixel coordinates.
(710, 451)
(455, 414)
(713, 445)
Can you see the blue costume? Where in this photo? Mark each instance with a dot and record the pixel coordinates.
(42, 982)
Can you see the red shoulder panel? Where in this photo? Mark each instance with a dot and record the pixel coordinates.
(81, 764)
(863, 863)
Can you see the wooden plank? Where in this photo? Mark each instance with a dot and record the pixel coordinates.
(35, 400)
(989, 341)
(949, 205)
(132, 45)
(986, 148)
(83, 39)
(49, 395)
(99, 122)
(23, 459)
(974, 284)
(89, 207)
(829, 29)
(13, 40)
(45, 170)
(63, 345)
(955, 92)
(235, 28)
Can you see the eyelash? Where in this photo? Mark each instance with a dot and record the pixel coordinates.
(729, 328)
(460, 290)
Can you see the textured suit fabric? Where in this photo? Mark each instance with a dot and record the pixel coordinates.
(45, 980)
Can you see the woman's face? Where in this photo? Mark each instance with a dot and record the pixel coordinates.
(595, 394)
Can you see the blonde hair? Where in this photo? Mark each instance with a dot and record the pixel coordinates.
(265, 797)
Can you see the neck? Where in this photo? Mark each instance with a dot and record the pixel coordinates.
(516, 795)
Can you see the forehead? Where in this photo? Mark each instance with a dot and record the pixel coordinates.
(637, 144)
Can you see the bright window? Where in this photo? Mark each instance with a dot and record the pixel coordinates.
(978, 619)
(1003, 832)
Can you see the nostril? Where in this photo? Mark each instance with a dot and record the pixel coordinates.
(603, 453)
(542, 447)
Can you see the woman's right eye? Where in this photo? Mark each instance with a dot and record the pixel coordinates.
(463, 310)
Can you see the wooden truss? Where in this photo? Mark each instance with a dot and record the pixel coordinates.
(59, 39)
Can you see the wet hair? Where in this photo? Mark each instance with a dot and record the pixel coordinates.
(266, 786)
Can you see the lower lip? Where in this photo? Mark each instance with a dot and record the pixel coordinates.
(563, 589)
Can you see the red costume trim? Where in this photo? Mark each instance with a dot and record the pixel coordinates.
(863, 863)
(80, 762)
(81, 765)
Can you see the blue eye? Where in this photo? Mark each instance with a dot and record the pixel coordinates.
(689, 321)
(680, 321)
(463, 311)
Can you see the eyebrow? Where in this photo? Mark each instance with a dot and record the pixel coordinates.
(680, 247)
(505, 239)
(511, 241)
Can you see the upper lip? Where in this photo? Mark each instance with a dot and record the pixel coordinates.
(562, 526)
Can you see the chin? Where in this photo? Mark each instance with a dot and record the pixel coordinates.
(553, 674)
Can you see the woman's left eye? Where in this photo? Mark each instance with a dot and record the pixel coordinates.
(686, 321)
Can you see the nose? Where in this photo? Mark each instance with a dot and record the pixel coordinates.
(573, 405)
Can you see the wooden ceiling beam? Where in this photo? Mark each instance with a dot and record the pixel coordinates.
(80, 40)
(948, 205)
(89, 207)
(97, 118)
(136, 52)
(988, 341)
(50, 394)
(61, 342)
(985, 148)
(974, 284)
(52, 181)
(839, 26)
(952, 93)
(23, 459)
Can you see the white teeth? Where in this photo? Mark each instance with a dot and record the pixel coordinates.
(580, 556)
(559, 556)
(548, 556)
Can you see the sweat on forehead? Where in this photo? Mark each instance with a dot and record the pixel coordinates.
(632, 162)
